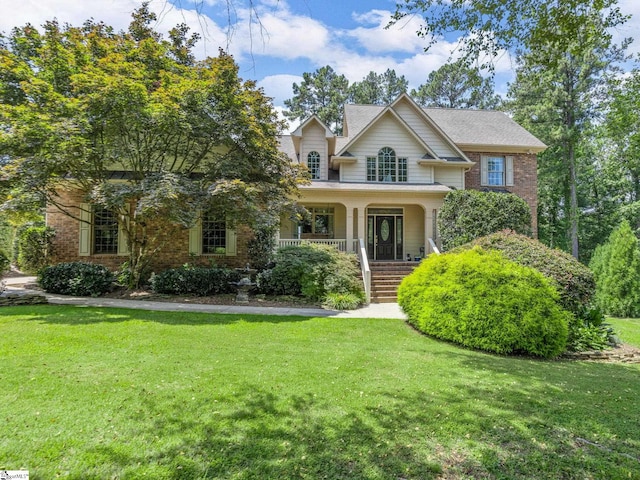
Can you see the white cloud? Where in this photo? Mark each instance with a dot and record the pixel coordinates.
(279, 87)
(400, 37)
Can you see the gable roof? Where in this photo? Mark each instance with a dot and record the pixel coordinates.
(484, 128)
(365, 116)
(462, 129)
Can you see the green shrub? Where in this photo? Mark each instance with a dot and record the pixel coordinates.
(342, 301)
(199, 281)
(76, 278)
(616, 266)
(311, 270)
(260, 247)
(480, 299)
(574, 281)
(34, 248)
(468, 214)
(5, 262)
(6, 239)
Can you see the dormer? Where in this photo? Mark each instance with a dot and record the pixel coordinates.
(314, 142)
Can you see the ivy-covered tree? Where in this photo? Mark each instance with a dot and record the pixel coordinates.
(80, 106)
(456, 85)
(469, 214)
(322, 93)
(616, 266)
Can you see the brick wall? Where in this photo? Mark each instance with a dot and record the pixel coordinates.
(525, 180)
(175, 251)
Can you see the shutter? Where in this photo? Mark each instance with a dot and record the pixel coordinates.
(84, 240)
(509, 171)
(484, 171)
(195, 239)
(231, 243)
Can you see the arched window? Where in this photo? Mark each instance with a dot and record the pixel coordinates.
(313, 163)
(386, 167)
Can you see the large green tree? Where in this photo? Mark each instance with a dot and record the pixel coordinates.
(555, 95)
(322, 93)
(378, 88)
(80, 106)
(565, 45)
(456, 85)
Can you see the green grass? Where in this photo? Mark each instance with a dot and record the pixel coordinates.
(628, 329)
(106, 393)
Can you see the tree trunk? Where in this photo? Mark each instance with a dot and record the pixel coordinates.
(573, 209)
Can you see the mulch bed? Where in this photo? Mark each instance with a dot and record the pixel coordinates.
(283, 301)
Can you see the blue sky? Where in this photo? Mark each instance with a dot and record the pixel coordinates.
(297, 36)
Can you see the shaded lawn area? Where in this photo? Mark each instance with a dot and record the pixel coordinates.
(108, 393)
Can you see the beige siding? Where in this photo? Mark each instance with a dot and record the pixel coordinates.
(428, 134)
(314, 139)
(387, 132)
(451, 177)
(413, 230)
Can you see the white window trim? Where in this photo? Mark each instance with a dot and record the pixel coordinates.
(508, 171)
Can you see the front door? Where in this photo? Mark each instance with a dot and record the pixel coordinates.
(385, 237)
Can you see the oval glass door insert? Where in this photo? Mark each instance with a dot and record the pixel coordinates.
(384, 230)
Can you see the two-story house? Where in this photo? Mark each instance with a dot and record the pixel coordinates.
(384, 180)
(376, 190)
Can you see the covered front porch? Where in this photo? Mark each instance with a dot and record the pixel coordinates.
(392, 225)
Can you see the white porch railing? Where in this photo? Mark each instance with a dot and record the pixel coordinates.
(434, 247)
(339, 243)
(366, 270)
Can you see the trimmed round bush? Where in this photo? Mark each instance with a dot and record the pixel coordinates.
(198, 281)
(479, 299)
(574, 281)
(76, 278)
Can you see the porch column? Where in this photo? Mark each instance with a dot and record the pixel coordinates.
(428, 222)
(349, 228)
(362, 223)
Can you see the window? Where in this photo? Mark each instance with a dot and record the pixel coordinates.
(386, 167)
(320, 224)
(313, 163)
(105, 231)
(214, 236)
(497, 171)
(99, 232)
(211, 236)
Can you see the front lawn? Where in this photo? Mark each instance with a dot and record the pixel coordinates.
(108, 393)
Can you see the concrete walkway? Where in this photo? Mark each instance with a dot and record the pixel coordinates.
(16, 285)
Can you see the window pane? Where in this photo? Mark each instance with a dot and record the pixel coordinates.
(386, 165)
(313, 163)
(371, 169)
(214, 236)
(402, 169)
(495, 170)
(105, 231)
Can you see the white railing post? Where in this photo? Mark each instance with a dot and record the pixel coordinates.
(434, 247)
(366, 270)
